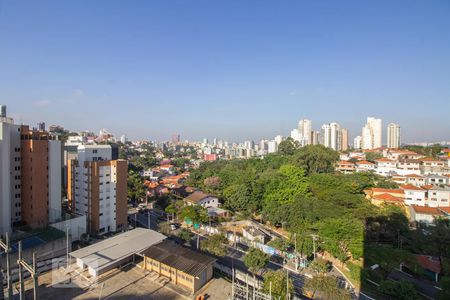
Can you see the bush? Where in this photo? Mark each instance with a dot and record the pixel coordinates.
(401, 290)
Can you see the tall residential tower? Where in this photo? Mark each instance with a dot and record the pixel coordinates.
(393, 135)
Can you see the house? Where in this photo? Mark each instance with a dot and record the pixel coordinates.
(439, 196)
(435, 179)
(254, 235)
(364, 166)
(378, 191)
(414, 195)
(183, 266)
(431, 165)
(415, 179)
(381, 199)
(202, 199)
(399, 179)
(345, 167)
(396, 154)
(431, 266)
(385, 166)
(424, 215)
(408, 166)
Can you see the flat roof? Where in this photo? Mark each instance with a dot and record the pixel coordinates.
(105, 253)
(181, 258)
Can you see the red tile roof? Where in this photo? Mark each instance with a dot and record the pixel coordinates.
(392, 191)
(426, 210)
(364, 162)
(388, 198)
(384, 160)
(429, 262)
(414, 175)
(410, 187)
(445, 209)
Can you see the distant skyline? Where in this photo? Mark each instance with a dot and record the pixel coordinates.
(232, 70)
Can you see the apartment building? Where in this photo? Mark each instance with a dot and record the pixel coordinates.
(30, 176)
(10, 185)
(97, 188)
(40, 178)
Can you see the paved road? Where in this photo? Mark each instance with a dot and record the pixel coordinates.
(142, 219)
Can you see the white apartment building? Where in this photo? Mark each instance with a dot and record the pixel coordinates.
(372, 134)
(272, 147)
(335, 136)
(357, 142)
(97, 188)
(10, 190)
(393, 135)
(304, 129)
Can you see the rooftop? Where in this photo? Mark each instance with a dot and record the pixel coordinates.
(105, 253)
(196, 197)
(181, 258)
(426, 210)
(410, 187)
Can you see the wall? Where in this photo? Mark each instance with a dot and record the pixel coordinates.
(54, 180)
(77, 226)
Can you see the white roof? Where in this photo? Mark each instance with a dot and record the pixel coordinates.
(105, 253)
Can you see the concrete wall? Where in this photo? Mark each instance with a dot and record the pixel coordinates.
(77, 226)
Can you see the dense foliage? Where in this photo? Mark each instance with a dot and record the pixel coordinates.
(298, 190)
(275, 283)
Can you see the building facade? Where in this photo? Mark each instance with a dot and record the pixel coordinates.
(30, 176)
(393, 135)
(97, 188)
(372, 134)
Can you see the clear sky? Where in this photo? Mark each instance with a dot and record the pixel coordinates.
(232, 69)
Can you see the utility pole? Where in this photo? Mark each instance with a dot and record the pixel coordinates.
(296, 254)
(67, 247)
(148, 220)
(32, 269)
(6, 247)
(287, 283)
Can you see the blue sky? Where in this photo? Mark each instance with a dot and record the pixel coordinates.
(230, 69)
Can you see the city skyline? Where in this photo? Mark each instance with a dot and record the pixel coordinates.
(240, 71)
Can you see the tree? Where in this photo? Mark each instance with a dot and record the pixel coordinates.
(445, 292)
(197, 215)
(401, 290)
(275, 282)
(288, 146)
(171, 209)
(289, 183)
(215, 244)
(328, 286)
(239, 197)
(212, 184)
(341, 236)
(372, 156)
(321, 266)
(316, 159)
(255, 260)
(185, 235)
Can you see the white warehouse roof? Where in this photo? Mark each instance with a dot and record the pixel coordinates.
(106, 254)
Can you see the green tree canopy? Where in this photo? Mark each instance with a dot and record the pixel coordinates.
(255, 260)
(275, 282)
(215, 244)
